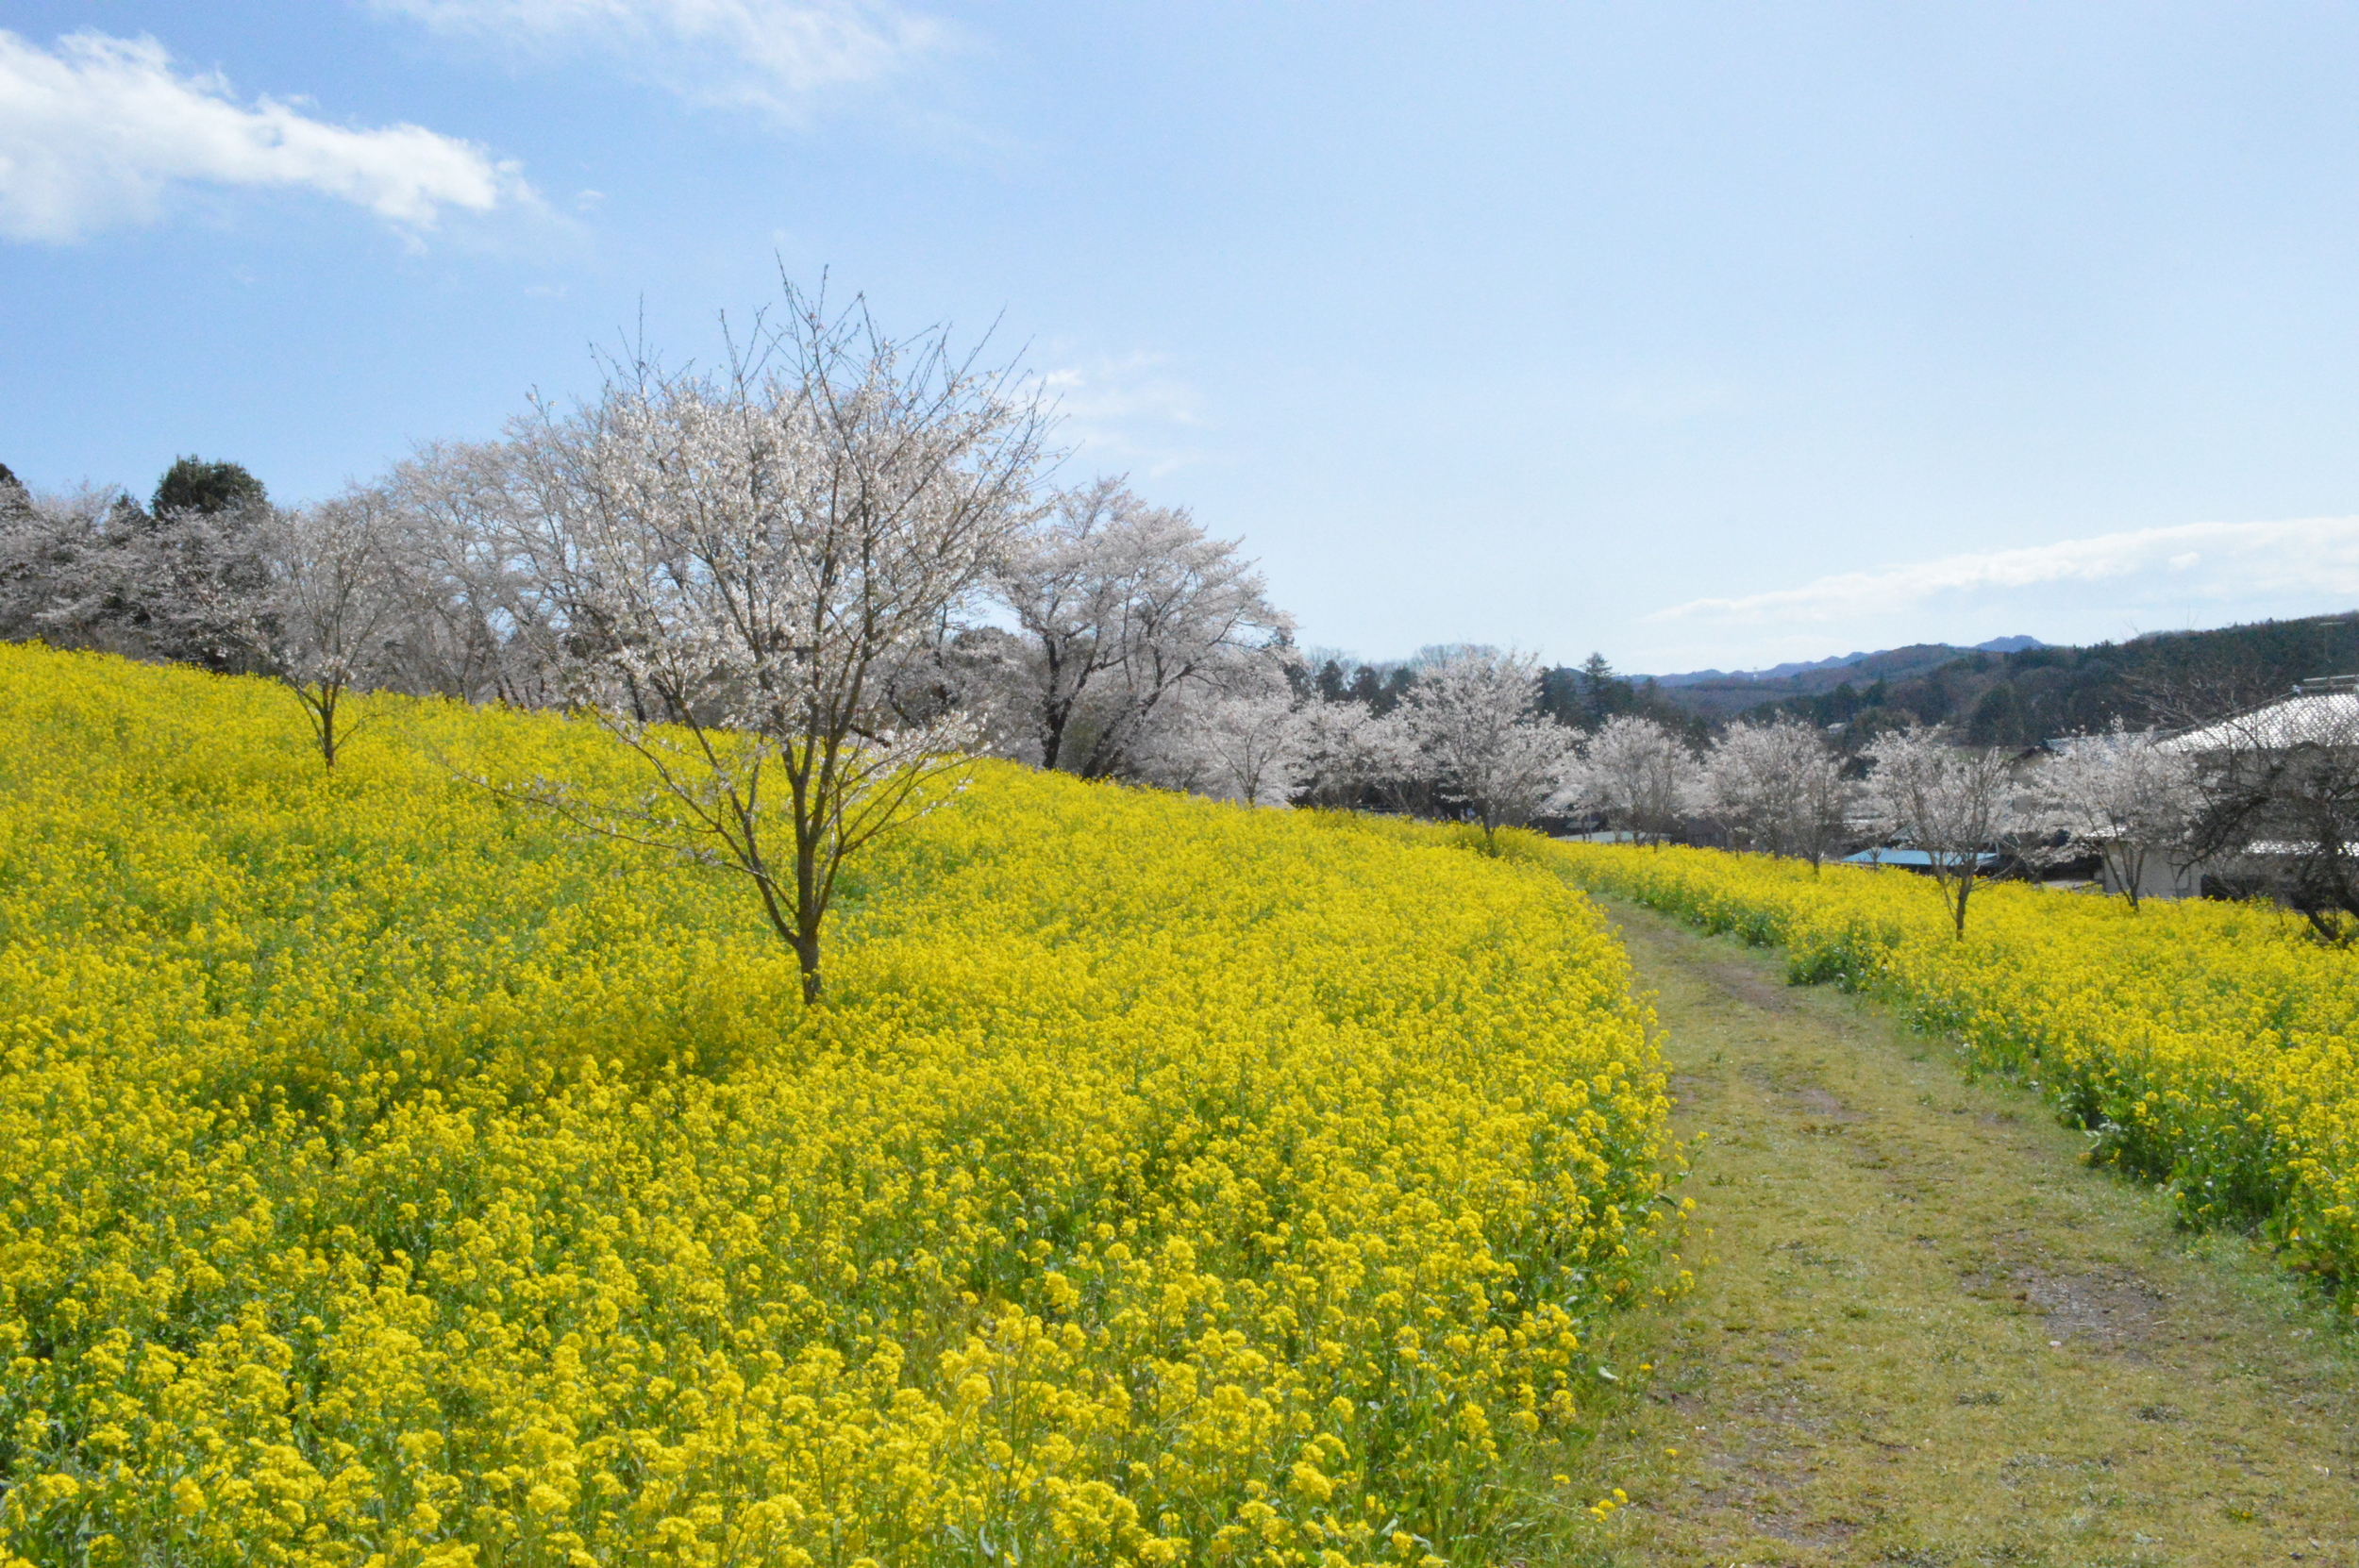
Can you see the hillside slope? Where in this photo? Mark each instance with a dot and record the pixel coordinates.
(1722, 696)
(2020, 698)
(397, 1179)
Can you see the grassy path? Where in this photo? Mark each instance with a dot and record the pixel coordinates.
(1933, 1336)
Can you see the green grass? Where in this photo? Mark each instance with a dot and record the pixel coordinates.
(1927, 1333)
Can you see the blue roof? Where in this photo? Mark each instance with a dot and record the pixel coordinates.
(1923, 858)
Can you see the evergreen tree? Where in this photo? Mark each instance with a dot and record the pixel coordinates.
(1603, 693)
(192, 484)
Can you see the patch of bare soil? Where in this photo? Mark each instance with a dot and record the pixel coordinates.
(2116, 1312)
(2113, 1310)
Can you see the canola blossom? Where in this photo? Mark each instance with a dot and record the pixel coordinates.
(394, 1178)
(2206, 1047)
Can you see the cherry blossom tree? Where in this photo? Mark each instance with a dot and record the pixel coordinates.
(1825, 804)
(2121, 794)
(310, 597)
(1349, 750)
(1777, 786)
(1248, 746)
(95, 570)
(55, 566)
(1480, 741)
(482, 625)
(1637, 773)
(201, 549)
(732, 561)
(328, 619)
(1126, 609)
(1952, 802)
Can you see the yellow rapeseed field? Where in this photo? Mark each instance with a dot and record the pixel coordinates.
(2207, 1046)
(388, 1177)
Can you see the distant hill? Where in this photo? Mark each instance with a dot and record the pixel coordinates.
(1841, 662)
(1715, 695)
(2017, 691)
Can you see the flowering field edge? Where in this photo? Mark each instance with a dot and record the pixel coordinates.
(2202, 1046)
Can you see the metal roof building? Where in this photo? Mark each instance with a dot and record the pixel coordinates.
(2317, 714)
(1911, 860)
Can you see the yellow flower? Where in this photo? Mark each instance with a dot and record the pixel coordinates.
(415, 1177)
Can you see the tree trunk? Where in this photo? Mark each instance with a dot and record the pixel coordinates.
(1055, 715)
(807, 958)
(809, 906)
(321, 709)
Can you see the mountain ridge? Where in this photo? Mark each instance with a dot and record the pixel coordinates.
(1841, 662)
(2021, 696)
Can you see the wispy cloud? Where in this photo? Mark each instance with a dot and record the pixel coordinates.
(94, 131)
(1132, 412)
(2195, 562)
(770, 55)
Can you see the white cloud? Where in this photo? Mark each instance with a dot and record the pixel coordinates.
(94, 131)
(1130, 412)
(2210, 562)
(772, 55)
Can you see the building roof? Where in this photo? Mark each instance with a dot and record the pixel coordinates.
(1912, 857)
(2318, 712)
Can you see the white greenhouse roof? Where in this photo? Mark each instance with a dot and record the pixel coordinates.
(2329, 718)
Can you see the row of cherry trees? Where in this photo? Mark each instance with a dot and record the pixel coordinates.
(2128, 799)
(802, 585)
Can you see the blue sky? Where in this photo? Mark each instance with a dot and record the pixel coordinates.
(1700, 336)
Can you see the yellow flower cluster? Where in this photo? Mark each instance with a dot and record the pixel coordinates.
(2208, 1046)
(393, 1180)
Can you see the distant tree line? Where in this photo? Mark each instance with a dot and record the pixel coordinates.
(2020, 699)
(1582, 696)
(802, 585)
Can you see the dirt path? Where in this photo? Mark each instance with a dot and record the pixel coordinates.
(1933, 1336)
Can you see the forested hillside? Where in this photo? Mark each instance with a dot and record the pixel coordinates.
(2020, 698)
